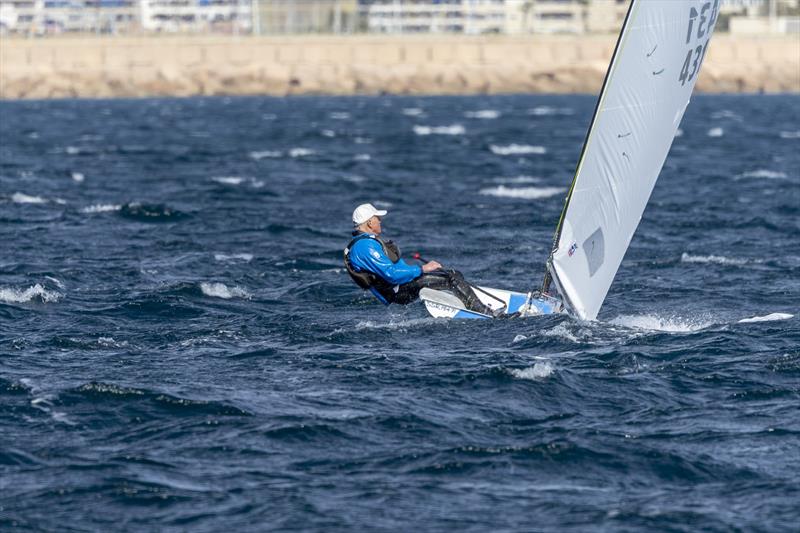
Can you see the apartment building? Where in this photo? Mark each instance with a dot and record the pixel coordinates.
(760, 16)
(436, 16)
(42, 17)
(39, 17)
(305, 16)
(196, 16)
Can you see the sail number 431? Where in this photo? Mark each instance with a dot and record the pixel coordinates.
(700, 25)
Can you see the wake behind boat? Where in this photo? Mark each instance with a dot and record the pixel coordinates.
(647, 88)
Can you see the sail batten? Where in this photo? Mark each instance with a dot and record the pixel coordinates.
(652, 73)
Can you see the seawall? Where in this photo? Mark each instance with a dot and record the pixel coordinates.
(103, 67)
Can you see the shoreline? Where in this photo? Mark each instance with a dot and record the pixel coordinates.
(130, 67)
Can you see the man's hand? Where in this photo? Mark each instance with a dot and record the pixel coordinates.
(431, 266)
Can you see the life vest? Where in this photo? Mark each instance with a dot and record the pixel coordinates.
(369, 281)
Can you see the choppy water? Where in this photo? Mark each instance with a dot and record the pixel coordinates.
(181, 350)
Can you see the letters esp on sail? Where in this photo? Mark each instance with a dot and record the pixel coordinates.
(648, 85)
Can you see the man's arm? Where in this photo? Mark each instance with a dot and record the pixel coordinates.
(367, 254)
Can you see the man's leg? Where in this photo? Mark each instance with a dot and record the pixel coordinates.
(451, 280)
(465, 293)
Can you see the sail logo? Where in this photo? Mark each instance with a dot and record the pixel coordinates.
(572, 249)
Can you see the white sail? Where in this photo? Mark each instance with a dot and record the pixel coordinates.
(647, 88)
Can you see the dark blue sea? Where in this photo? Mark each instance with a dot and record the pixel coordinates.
(181, 349)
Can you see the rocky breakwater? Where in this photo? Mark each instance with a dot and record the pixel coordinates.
(102, 67)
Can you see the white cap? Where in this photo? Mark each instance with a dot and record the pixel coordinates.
(365, 212)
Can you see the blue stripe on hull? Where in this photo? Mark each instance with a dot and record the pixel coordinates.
(463, 313)
(515, 302)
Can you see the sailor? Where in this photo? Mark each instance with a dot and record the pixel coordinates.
(374, 264)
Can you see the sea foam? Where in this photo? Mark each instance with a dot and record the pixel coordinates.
(220, 290)
(13, 295)
(764, 174)
(716, 132)
(541, 111)
(266, 154)
(517, 149)
(455, 129)
(228, 180)
(658, 323)
(233, 257)
(538, 371)
(485, 114)
(767, 318)
(300, 152)
(101, 208)
(21, 198)
(524, 193)
(716, 259)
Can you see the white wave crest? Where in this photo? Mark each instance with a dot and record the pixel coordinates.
(401, 325)
(561, 331)
(228, 180)
(73, 150)
(12, 295)
(220, 290)
(518, 179)
(716, 132)
(726, 114)
(767, 318)
(300, 152)
(101, 208)
(109, 342)
(412, 111)
(485, 114)
(362, 157)
(547, 110)
(717, 259)
(77, 177)
(266, 154)
(790, 134)
(233, 257)
(517, 149)
(328, 133)
(340, 115)
(57, 281)
(524, 193)
(679, 133)
(657, 323)
(455, 129)
(764, 174)
(538, 371)
(21, 198)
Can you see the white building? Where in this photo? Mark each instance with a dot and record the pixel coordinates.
(38, 17)
(762, 16)
(493, 16)
(174, 16)
(435, 16)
